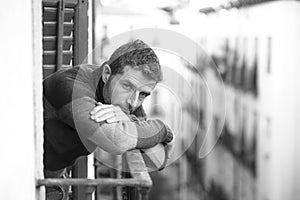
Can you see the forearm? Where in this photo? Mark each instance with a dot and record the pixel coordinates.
(114, 140)
(150, 132)
(126, 135)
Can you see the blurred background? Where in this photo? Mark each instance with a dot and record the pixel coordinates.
(254, 47)
(234, 105)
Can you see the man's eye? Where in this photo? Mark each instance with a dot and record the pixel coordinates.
(142, 96)
(127, 87)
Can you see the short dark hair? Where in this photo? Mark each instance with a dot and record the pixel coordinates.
(138, 55)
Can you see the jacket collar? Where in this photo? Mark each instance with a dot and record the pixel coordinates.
(98, 84)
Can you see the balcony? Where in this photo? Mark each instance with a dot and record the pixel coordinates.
(135, 181)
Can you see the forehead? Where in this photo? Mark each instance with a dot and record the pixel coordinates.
(137, 79)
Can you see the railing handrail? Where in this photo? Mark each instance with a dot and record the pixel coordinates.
(92, 182)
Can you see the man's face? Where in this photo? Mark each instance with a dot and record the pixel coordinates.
(128, 90)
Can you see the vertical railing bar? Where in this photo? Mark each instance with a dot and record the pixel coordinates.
(144, 193)
(89, 192)
(79, 170)
(96, 176)
(60, 34)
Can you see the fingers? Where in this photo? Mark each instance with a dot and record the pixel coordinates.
(108, 113)
(104, 116)
(119, 116)
(169, 142)
(102, 112)
(169, 136)
(112, 120)
(169, 148)
(100, 107)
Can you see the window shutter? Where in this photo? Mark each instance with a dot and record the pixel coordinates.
(65, 44)
(62, 20)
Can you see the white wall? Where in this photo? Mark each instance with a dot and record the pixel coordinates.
(20, 66)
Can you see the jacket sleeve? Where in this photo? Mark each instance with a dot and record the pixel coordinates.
(115, 138)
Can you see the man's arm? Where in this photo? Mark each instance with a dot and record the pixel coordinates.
(115, 137)
(112, 114)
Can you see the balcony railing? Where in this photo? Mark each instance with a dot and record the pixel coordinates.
(136, 181)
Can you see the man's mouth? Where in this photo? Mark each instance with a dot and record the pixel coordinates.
(130, 109)
(125, 110)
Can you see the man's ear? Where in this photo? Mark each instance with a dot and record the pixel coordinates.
(106, 73)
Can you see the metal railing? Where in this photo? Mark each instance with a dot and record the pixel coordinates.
(136, 181)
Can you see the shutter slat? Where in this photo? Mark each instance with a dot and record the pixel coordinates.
(50, 14)
(69, 3)
(53, 23)
(49, 42)
(53, 38)
(49, 57)
(54, 9)
(50, 28)
(51, 53)
(52, 67)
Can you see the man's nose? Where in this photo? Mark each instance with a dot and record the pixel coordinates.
(133, 100)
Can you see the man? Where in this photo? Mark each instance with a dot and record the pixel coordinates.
(88, 106)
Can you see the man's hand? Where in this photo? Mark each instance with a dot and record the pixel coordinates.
(169, 148)
(169, 136)
(108, 113)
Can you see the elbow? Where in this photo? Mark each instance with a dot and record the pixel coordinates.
(110, 147)
(117, 151)
(121, 146)
(123, 139)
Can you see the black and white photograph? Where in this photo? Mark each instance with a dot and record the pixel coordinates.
(150, 100)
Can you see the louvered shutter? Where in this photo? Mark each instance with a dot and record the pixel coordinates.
(64, 31)
(65, 44)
